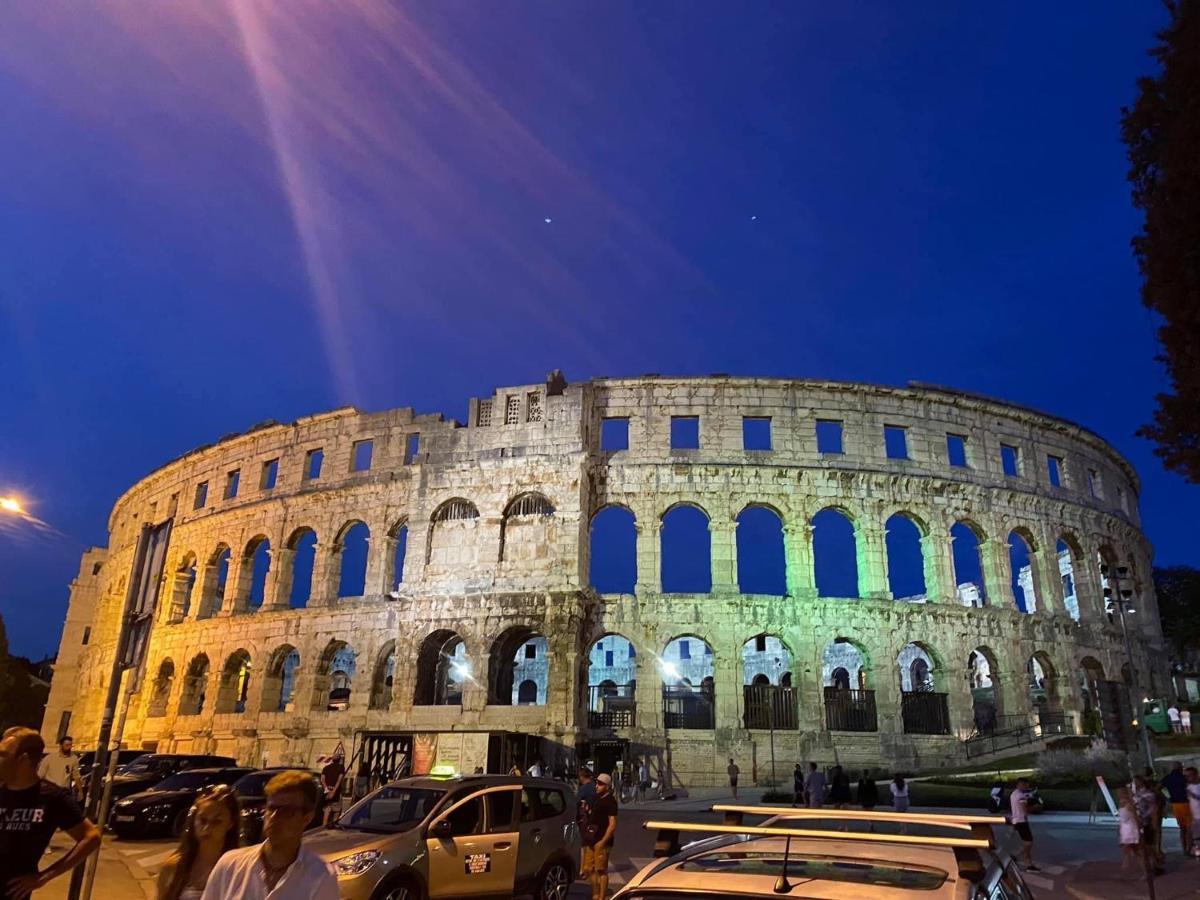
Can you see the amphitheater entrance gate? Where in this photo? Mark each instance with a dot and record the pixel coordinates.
(388, 756)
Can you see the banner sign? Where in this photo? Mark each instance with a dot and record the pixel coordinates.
(148, 585)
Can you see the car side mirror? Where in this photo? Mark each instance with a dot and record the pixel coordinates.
(442, 829)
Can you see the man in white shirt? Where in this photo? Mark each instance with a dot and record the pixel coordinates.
(1018, 804)
(281, 867)
(61, 768)
(1173, 718)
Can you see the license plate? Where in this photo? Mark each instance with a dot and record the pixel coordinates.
(123, 819)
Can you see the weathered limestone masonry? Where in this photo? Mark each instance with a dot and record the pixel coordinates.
(494, 518)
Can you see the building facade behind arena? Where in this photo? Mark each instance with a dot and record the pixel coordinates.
(423, 589)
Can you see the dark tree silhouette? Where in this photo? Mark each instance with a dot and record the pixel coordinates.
(1178, 590)
(1162, 133)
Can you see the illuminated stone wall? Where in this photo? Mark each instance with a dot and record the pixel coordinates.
(497, 570)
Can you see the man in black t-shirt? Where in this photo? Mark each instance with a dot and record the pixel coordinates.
(31, 810)
(598, 837)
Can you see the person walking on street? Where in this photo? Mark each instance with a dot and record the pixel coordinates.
(332, 775)
(1185, 720)
(643, 777)
(868, 791)
(213, 829)
(1175, 784)
(31, 810)
(733, 772)
(62, 768)
(281, 867)
(597, 834)
(1146, 804)
(899, 789)
(587, 786)
(1019, 809)
(1128, 832)
(814, 787)
(839, 789)
(1174, 718)
(797, 786)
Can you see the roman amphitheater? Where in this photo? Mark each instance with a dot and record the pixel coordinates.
(792, 569)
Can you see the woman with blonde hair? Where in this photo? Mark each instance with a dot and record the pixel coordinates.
(213, 828)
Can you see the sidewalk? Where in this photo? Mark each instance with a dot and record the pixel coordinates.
(1104, 880)
(117, 877)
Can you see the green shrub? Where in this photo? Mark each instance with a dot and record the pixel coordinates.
(1078, 767)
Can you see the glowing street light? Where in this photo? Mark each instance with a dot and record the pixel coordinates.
(11, 505)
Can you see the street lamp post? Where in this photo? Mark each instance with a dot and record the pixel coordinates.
(1120, 596)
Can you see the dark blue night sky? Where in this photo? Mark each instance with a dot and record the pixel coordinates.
(220, 213)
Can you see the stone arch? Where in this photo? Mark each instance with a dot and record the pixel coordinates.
(442, 670)
(767, 696)
(686, 549)
(399, 535)
(351, 547)
(527, 528)
(303, 545)
(160, 693)
(519, 653)
(383, 677)
(835, 553)
(689, 685)
(216, 581)
(183, 588)
(195, 686)
(526, 693)
(920, 668)
(612, 682)
(1022, 558)
(612, 557)
(279, 680)
(1091, 676)
(1068, 553)
(966, 542)
(903, 534)
(334, 678)
(766, 654)
(923, 708)
(845, 665)
(255, 566)
(448, 544)
(234, 686)
(1043, 686)
(983, 681)
(761, 559)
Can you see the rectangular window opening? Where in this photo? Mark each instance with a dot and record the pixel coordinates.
(608, 657)
(270, 473)
(1010, 460)
(483, 418)
(533, 406)
(360, 458)
(1054, 469)
(956, 450)
(829, 436)
(685, 432)
(232, 479)
(1095, 488)
(312, 464)
(512, 410)
(531, 651)
(756, 432)
(760, 644)
(685, 649)
(87, 633)
(614, 434)
(895, 441)
(201, 498)
(412, 446)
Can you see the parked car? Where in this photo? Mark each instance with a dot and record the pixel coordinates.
(163, 809)
(474, 835)
(149, 769)
(251, 794)
(124, 757)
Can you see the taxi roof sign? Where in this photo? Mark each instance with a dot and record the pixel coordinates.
(443, 771)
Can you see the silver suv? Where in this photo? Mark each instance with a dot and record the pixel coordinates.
(465, 836)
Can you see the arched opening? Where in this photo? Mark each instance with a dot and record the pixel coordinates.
(1024, 572)
(195, 687)
(527, 693)
(217, 577)
(983, 680)
(905, 559)
(279, 681)
(383, 677)
(768, 702)
(519, 654)
(235, 683)
(334, 677)
(452, 539)
(160, 694)
(761, 563)
(351, 548)
(1066, 572)
(835, 554)
(399, 535)
(1043, 694)
(689, 692)
(612, 683)
(686, 551)
(924, 709)
(258, 552)
(185, 584)
(303, 544)
(968, 564)
(849, 702)
(525, 528)
(442, 670)
(1091, 678)
(613, 551)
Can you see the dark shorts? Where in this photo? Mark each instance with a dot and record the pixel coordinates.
(733, 782)
(1024, 831)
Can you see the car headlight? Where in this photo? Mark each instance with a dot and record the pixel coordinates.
(124, 804)
(356, 863)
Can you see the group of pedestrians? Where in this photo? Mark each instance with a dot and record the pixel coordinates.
(1141, 808)
(814, 790)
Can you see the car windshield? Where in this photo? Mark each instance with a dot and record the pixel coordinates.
(140, 765)
(254, 784)
(391, 809)
(185, 781)
(812, 867)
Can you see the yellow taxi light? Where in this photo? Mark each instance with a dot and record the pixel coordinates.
(443, 771)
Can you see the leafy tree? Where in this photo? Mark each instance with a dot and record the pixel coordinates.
(1178, 590)
(1162, 133)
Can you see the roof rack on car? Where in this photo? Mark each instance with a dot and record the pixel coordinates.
(951, 820)
(668, 835)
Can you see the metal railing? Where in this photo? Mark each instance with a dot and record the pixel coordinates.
(770, 706)
(1019, 733)
(688, 708)
(612, 706)
(847, 710)
(925, 712)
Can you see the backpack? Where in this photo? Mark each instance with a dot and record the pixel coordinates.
(589, 832)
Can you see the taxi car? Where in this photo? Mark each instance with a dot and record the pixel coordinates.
(827, 854)
(458, 836)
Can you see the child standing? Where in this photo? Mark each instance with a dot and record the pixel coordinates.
(1128, 830)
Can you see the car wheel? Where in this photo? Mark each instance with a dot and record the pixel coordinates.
(555, 881)
(179, 823)
(398, 889)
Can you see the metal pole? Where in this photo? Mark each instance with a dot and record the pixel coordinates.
(1119, 600)
(771, 723)
(100, 763)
